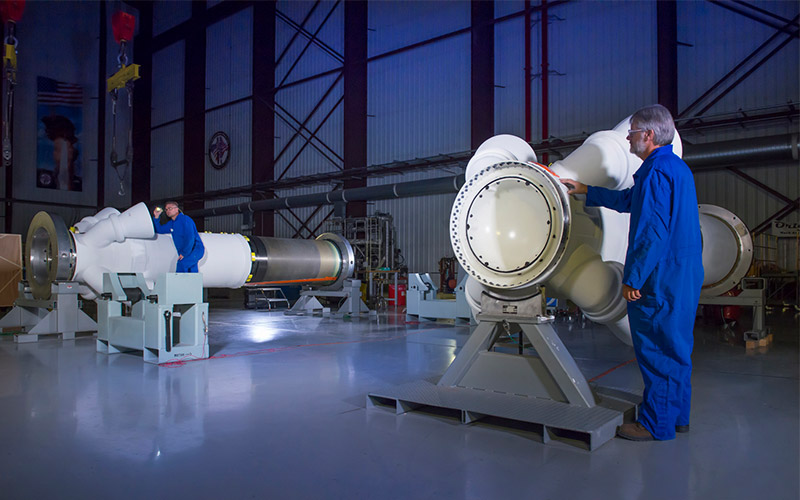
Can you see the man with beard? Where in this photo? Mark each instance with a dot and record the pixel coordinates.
(663, 272)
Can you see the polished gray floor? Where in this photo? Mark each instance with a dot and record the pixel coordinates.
(279, 412)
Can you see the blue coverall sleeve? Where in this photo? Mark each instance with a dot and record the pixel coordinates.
(615, 200)
(160, 229)
(649, 237)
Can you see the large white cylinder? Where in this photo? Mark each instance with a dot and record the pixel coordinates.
(513, 227)
(727, 250)
(127, 243)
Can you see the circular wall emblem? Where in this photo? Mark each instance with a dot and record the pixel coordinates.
(219, 150)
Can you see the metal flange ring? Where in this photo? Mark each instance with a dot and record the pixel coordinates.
(510, 224)
(727, 249)
(49, 253)
(348, 258)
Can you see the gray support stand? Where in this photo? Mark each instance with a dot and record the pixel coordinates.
(753, 294)
(167, 323)
(553, 375)
(350, 292)
(422, 304)
(60, 315)
(547, 390)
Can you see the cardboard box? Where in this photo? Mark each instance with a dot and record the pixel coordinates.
(10, 267)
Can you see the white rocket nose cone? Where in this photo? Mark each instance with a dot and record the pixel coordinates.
(508, 224)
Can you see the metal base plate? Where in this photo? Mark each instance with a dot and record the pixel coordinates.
(593, 426)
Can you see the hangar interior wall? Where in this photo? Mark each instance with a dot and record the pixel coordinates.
(602, 66)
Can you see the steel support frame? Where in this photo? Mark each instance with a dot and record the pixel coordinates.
(460, 159)
(302, 125)
(101, 108)
(355, 97)
(288, 118)
(298, 28)
(313, 135)
(143, 51)
(482, 72)
(263, 117)
(208, 17)
(780, 214)
(667, 54)
(303, 223)
(778, 26)
(311, 39)
(789, 207)
(528, 78)
(194, 109)
(783, 29)
(545, 77)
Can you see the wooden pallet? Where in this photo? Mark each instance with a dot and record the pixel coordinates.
(754, 344)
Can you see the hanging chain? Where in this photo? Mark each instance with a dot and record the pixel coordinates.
(121, 166)
(10, 76)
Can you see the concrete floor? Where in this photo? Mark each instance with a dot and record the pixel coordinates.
(279, 412)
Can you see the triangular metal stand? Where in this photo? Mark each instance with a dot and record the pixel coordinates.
(60, 315)
(547, 389)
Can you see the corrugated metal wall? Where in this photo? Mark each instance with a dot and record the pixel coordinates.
(169, 13)
(166, 161)
(312, 107)
(299, 222)
(399, 24)
(602, 68)
(422, 223)
(295, 157)
(229, 56)
(236, 121)
(720, 39)
(419, 102)
(229, 71)
(748, 202)
(166, 141)
(602, 64)
(168, 83)
(509, 77)
(326, 24)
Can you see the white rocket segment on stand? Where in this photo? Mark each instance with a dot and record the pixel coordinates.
(499, 149)
(127, 243)
(226, 263)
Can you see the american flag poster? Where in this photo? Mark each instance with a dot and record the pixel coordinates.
(59, 126)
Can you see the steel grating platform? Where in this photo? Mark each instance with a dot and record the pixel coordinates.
(593, 426)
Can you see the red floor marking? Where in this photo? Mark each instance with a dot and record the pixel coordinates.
(612, 369)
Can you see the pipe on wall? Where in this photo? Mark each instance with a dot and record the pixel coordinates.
(440, 185)
(763, 150)
(727, 153)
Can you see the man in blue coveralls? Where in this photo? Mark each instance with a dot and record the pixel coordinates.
(663, 272)
(184, 235)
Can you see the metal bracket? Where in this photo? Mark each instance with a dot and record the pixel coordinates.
(121, 78)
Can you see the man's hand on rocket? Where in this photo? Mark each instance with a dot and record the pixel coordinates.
(574, 187)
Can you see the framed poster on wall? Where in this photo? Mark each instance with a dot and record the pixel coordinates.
(58, 130)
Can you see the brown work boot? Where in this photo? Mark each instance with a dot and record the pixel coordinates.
(634, 432)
